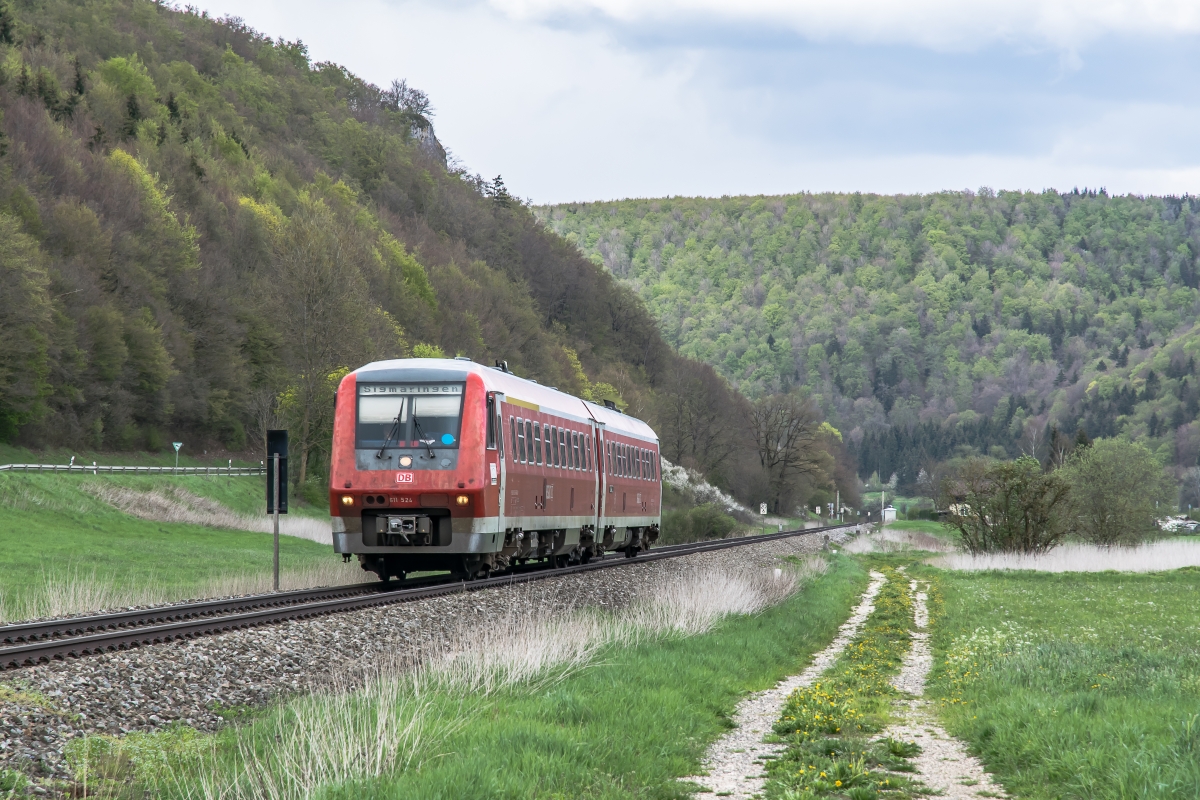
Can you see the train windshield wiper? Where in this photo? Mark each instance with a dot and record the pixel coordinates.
(421, 434)
(391, 434)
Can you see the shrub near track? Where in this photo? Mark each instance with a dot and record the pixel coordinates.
(827, 725)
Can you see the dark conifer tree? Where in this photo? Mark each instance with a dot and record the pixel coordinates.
(7, 26)
(133, 116)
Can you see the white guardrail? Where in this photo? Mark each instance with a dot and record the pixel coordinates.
(95, 469)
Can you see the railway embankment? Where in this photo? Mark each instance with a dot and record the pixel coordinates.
(203, 683)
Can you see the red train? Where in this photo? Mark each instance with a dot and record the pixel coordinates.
(445, 464)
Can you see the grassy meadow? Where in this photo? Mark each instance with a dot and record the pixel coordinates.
(1074, 685)
(63, 549)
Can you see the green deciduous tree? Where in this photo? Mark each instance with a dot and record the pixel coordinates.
(318, 299)
(25, 318)
(1118, 490)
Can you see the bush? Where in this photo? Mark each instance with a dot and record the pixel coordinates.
(1010, 506)
(708, 521)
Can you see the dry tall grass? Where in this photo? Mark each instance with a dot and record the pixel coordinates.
(891, 541)
(179, 505)
(72, 591)
(1153, 557)
(330, 739)
(345, 735)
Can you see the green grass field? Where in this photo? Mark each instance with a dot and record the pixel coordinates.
(1074, 685)
(51, 529)
(924, 526)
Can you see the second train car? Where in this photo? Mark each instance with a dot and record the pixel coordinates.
(445, 464)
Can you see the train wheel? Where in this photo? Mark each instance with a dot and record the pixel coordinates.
(585, 556)
(631, 552)
(559, 562)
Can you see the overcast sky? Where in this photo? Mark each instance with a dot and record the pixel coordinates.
(644, 98)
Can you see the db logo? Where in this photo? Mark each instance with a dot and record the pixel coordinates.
(404, 477)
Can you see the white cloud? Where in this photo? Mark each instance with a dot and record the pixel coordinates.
(570, 110)
(938, 24)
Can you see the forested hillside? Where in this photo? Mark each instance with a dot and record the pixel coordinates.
(930, 326)
(200, 230)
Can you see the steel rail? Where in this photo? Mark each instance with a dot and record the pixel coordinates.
(186, 621)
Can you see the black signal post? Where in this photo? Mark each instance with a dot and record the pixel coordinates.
(277, 449)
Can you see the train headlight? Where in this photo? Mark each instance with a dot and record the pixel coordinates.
(406, 461)
(347, 500)
(462, 500)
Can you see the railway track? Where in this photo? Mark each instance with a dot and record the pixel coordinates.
(31, 643)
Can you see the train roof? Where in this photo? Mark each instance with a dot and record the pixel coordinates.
(515, 389)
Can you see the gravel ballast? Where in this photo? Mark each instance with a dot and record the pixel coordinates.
(43, 707)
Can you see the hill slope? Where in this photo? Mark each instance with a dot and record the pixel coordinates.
(200, 228)
(927, 326)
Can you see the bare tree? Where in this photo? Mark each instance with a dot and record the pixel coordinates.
(696, 416)
(263, 407)
(786, 436)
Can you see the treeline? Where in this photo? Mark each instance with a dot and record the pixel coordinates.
(201, 230)
(920, 319)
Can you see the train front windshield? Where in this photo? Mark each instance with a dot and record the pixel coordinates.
(409, 415)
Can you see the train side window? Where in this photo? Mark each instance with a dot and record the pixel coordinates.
(512, 425)
(562, 445)
(491, 422)
(537, 441)
(553, 443)
(575, 460)
(521, 440)
(500, 432)
(608, 460)
(529, 441)
(587, 456)
(645, 466)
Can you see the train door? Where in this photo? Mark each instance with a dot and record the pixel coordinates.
(497, 473)
(599, 484)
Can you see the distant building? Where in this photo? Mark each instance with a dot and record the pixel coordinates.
(889, 515)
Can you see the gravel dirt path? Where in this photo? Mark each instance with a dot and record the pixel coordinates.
(944, 765)
(734, 764)
(43, 707)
